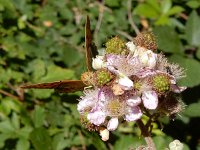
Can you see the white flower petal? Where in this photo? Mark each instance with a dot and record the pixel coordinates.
(134, 113)
(125, 83)
(148, 58)
(130, 45)
(98, 62)
(97, 117)
(150, 99)
(84, 104)
(112, 124)
(133, 101)
(104, 134)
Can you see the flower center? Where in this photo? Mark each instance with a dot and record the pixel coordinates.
(115, 108)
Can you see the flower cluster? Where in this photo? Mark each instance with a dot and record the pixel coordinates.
(129, 79)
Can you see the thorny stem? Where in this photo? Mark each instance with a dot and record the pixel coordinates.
(146, 134)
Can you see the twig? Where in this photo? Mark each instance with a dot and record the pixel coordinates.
(100, 18)
(82, 140)
(184, 16)
(146, 134)
(9, 94)
(126, 35)
(129, 5)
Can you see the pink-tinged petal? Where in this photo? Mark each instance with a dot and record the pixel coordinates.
(134, 113)
(177, 89)
(133, 101)
(111, 59)
(84, 104)
(97, 117)
(104, 134)
(112, 69)
(152, 59)
(150, 99)
(112, 124)
(146, 72)
(125, 83)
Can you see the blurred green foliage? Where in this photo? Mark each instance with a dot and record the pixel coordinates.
(43, 40)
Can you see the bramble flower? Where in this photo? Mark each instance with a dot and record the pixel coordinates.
(128, 80)
(98, 62)
(176, 145)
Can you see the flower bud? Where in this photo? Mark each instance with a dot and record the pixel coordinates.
(98, 62)
(112, 124)
(131, 46)
(104, 133)
(176, 145)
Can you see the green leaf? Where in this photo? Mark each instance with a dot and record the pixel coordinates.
(15, 121)
(7, 127)
(146, 10)
(3, 138)
(40, 139)
(198, 52)
(192, 110)
(59, 142)
(37, 66)
(112, 3)
(175, 10)
(23, 144)
(8, 104)
(163, 20)
(193, 29)
(192, 68)
(165, 6)
(127, 142)
(193, 4)
(8, 7)
(168, 39)
(24, 132)
(57, 73)
(38, 116)
(42, 93)
(161, 142)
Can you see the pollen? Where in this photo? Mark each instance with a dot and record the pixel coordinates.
(115, 46)
(161, 83)
(137, 85)
(115, 108)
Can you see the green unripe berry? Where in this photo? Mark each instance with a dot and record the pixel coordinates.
(115, 46)
(161, 83)
(103, 76)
